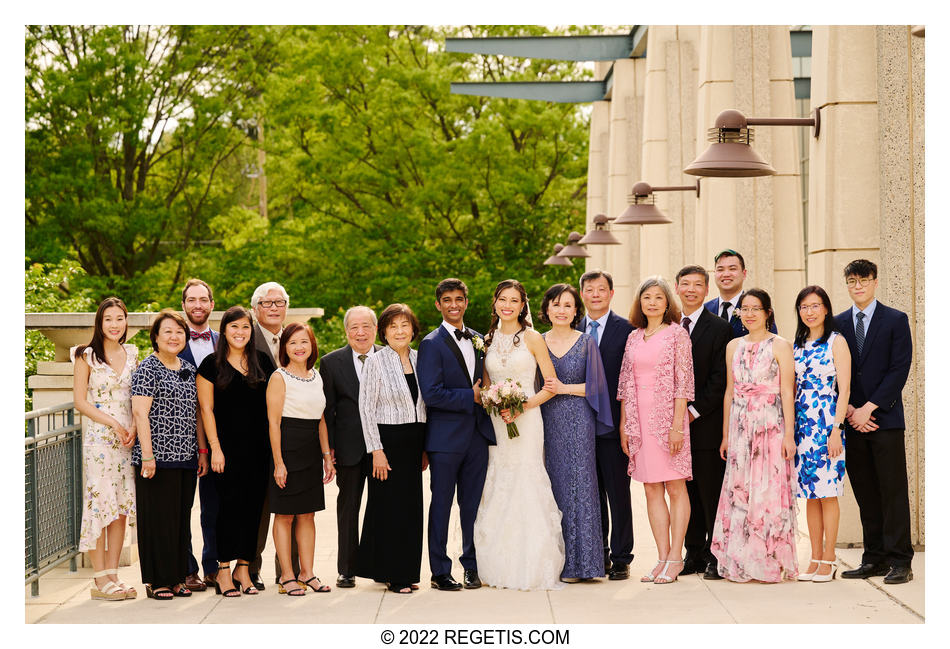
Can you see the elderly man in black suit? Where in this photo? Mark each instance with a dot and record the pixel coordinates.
(881, 351)
(341, 371)
(610, 331)
(709, 336)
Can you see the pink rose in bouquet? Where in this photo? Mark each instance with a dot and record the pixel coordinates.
(508, 395)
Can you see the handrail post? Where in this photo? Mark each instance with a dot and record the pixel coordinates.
(34, 541)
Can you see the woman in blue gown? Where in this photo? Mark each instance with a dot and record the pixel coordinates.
(579, 411)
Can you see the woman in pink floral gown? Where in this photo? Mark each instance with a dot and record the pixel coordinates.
(754, 534)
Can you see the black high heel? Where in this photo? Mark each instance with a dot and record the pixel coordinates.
(250, 590)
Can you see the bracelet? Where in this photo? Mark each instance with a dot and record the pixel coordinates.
(327, 453)
(203, 450)
(148, 459)
(672, 430)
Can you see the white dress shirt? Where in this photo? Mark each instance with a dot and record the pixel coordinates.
(200, 348)
(732, 305)
(465, 345)
(273, 341)
(358, 364)
(693, 317)
(868, 312)
(602, 321)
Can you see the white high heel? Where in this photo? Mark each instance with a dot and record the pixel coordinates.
(830, 575)
(809, 576)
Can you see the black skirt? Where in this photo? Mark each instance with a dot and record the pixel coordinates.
(300, 450)
(391, 543)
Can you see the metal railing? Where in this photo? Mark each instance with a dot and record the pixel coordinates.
(53, 472)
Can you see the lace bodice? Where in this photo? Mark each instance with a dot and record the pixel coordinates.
(507, 360)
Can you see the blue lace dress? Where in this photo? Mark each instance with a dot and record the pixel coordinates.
(570, 426)
(816, 397)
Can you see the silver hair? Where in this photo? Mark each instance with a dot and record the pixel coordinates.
(354, 309)
(264, 289)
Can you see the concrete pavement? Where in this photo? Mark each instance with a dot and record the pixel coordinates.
(64, 596)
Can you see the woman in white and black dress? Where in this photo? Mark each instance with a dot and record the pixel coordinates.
(393, 417)
(298, 437)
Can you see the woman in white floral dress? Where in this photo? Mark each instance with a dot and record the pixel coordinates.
(102, 381)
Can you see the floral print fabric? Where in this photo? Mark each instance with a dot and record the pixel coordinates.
(755, 529)
(108, 474)
(816, 397)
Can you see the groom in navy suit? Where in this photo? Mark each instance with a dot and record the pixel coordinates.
(730, 274)
(881, 351)
(458, 431)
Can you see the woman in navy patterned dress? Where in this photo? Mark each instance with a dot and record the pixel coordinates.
(572, 419)
(822, 387)
(164, 405)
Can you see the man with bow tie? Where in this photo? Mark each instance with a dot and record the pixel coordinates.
(197, 303)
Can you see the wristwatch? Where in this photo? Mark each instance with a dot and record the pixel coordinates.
(840, 426)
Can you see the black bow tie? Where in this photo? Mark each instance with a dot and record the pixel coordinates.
(459, 334)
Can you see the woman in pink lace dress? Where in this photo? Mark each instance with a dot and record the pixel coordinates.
(754, 533)
(656, 381)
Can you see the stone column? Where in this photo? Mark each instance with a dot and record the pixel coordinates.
(597, 180)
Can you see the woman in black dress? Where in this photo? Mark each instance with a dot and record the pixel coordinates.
(393, 416)
(232, 384)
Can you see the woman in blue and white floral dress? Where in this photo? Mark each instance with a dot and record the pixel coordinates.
(822, 387)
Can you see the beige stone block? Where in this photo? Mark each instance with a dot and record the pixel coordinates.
(780, 52)
(657, 38)
(785, 156)
(54, 368)
(847, 69)
(716, 60)
(656, 106)
(786, 285)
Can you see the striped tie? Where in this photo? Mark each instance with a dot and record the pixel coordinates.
(859, 333)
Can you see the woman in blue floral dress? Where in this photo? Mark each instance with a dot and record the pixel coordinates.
(822, 386)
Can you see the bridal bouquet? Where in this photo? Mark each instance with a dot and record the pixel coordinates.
(507, 394)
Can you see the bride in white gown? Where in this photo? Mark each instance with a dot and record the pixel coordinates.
(518, 527)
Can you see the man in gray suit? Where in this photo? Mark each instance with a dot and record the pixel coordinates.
(340, 371)
(269, 305)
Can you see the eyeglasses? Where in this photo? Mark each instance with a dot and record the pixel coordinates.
(749, 310)
(269, 303)
(805, 308)
(863, 281)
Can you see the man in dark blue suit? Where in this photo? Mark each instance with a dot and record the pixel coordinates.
(730, 274)
(197, 303)
(881, 351)
(610, 331)
(458, 431)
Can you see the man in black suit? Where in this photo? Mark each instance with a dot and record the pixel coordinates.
(269, 304)
(881, 351)
(730, 274)
(197, 303)
(341, 370)
(709, 336)
(610, 331)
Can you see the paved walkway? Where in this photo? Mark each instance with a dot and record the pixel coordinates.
(64, 596)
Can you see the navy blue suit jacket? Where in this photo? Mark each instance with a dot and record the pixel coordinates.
(881, 371)
(452, 416)
(186, 352)
(613, 341)
(738, 329)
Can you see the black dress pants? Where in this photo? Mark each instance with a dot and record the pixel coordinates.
(613, 483)
(703, 490)
(878, 472)
(163, 519)
(350, 481)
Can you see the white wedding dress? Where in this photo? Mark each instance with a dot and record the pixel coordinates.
(518, 528)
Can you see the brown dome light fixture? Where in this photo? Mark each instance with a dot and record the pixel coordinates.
(730, 153)
(643, 209)
(555, 260)
(917, 30)
(572, 249)
(600, 235)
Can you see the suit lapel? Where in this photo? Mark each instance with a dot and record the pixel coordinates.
(701, 324)
(349, 371)
(447, 339)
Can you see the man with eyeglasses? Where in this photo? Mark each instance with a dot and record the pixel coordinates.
(881, 352)
(730, 274)
(269, 305)
(197, 303)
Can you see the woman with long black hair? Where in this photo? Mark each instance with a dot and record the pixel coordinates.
(232, 386)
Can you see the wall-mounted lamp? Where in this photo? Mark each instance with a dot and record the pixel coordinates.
(572, 249)
(643, 209)
(554, 260)
(917, 30)
(600, 235)
(730, 153)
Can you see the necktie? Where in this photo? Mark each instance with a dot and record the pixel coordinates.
(686, 324)
(362, 358)
(859, 332)
(204, 335)
(459, 334)
(724, 314)
(594, 326)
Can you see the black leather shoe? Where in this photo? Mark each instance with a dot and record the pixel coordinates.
(257, 581)
(691, 566)
(607, 563)
(866, 570)
(210, 580)
(712, 571)
(618, 571)
(445, 582)
(899, 575)
(471, 580)
(345, 582)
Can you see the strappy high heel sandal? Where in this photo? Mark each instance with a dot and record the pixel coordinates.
(298, 591)
(247, 590)
(161, 593)
(831, 575)
(322, 588)
(647, 578)
(230, 592)
(808, 576)
(111, 592)
(663, 578)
